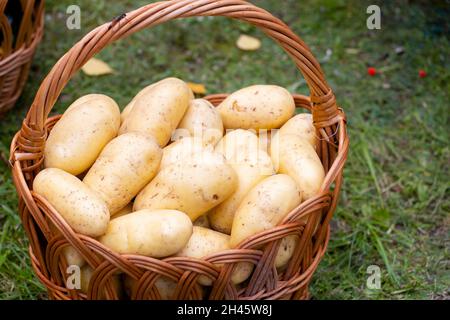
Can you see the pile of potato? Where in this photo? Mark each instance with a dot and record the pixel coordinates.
(174, 176)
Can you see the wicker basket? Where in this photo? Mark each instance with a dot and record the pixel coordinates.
(265, 282)
(17, 49)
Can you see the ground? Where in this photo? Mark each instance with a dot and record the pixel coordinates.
(395, 200)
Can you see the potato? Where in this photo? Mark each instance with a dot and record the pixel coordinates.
(302, 126)
(293, 155)
(286, 250)
(159, 110)
(202, 121)
(251, 166)
(126, 111)
(80, 207)
(73, 258)
(70, 253)
(124, 211)
(264, 207)
(182, 150)
(221, 217)
(124, 167)
(238, 144)
(202, 221)
(205, 242)
(79, 136)
(86, 275)
(193, 187)
(265, 139)
(157, 234)
(166, 286)
(257, 107)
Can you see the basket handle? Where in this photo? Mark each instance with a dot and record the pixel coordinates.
(325, 110)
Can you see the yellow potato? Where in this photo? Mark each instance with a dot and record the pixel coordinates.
(293, 155)
(193, 187)
(265, 138)
(70, 253)
(124, 167)
(79, 136)
(126, 111)
(264, 207)
(166, 286)
(286, 250)
(202, 221)
(159, 110)
(86, 274)
(81, 207)
(73, 258)
(257, 107)
(124, 211)
(251, 166)
(205, 242)
(85, 277)
(302, 126)
(157, 234)
(203, 121)
(238, 144)
(182, 150)
(221, 217)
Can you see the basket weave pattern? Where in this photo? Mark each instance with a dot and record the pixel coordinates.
(265, 283)
(17, 53)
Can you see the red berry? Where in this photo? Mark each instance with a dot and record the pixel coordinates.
(371, 71)
(422, 73)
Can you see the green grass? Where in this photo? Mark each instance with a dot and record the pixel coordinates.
(394, 208)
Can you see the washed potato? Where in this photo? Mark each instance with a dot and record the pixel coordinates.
(79, 136)
(205, 242)
(238, 144)
(126, 111)
(251, 165)
(166, 286)
(159, 110)
(302, 126)
(124, 167)
(293, 155)
(286, 250)
(73, 258)
(264, 207)
(182, 150)
(265, 139)
(157, 233)
(193, 187)
(221, 217)
(203, 121)
(124, 211)
(70, 253)
(80, 207)
(86, 274)
(202, 221)
(257, 107)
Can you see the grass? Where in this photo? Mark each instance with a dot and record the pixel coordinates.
(394, 208)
